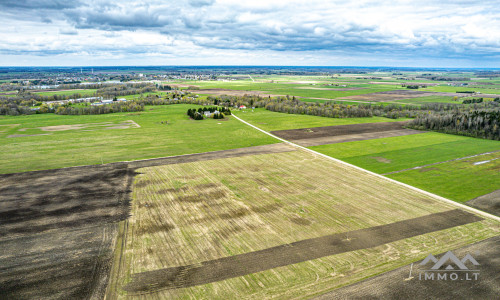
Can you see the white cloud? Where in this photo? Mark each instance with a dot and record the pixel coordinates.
(312, 31)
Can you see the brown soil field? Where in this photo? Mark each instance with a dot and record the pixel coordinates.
(398, 95)
(58, 229)
(296, 252)
(340, 130)
(489, 202)
(219, 92)
(396, 285)
(354, 137)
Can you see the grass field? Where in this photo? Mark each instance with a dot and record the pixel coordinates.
(269, 120)
(429, 99)
(460, 180)
(398, 153)
(81, 145)
(295, 89)
(186, 214)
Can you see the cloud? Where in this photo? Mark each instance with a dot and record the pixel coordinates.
(199, 3)
(68, 31)
(461, 30)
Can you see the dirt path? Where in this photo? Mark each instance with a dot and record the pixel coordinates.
(395, 284)
(243, 264)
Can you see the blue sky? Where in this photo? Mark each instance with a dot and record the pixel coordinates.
(258, 32)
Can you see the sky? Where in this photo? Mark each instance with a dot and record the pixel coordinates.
(413, 33)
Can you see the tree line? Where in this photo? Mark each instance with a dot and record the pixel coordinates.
(482, 123)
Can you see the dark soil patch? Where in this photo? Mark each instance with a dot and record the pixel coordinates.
(154, 228)
(300, 221)
(58, 227)
(489, 202)
(340, 130)
(354, 137)
(248, 263)
(208, 196)
(57, 231)
(392, 285)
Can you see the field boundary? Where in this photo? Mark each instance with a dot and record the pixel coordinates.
(465, 207)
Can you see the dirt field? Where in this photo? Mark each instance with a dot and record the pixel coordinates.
(394, 284)
(398, 95)
(279, 225)
(346, 131)
(489, 202)
(354, 137)
(58, 229)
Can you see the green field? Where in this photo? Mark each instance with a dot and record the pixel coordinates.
(269, 120)
(92, 145)
(428, 99)
(398, 153)
(460, 180)
(296, 89)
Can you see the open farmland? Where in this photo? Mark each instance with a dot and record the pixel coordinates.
(271, 121)
(436, 162)
(460, 180)
(344, 133)
(200, 229)
(39, 142)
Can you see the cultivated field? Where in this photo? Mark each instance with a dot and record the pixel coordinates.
(439, 163)
(58, 229)
(263, 225)
(344, 133)
(271, 121)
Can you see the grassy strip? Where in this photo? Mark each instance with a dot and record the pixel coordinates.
(459, 180)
